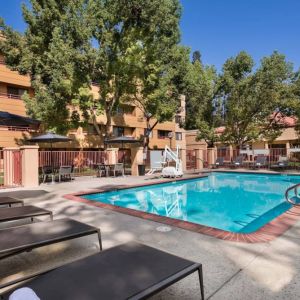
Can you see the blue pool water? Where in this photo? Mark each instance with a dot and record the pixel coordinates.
(234, 202)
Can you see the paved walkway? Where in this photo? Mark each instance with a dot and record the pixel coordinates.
(231, 270)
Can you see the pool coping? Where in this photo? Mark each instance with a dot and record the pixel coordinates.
(267, 233)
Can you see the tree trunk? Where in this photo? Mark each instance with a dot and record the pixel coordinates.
(96, 125)
(108, 126)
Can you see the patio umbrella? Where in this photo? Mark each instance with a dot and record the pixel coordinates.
(50, 138)
(122, 140)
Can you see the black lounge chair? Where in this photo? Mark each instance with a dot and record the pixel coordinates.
(23, 212)
(27, 237)
(218, 163)
(282, 163)
(261, 161)
(65, 172)
(10, 201)
(130, 271)
(238, 162)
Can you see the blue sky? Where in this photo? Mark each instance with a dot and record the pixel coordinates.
(222, 28)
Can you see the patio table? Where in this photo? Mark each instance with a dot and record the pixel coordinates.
(107, 167)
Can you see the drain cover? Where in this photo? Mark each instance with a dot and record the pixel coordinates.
(163, 228)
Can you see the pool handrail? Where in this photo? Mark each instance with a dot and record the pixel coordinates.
(295, 189)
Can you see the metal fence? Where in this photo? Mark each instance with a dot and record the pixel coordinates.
(191, 159)
(83, 162)
(273, 155)
(10, 168)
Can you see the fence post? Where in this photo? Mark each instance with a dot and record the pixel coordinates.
(112, 155)
(211, 156)
(183, 159)
(136, 159)
(8, 165)
(30, 165)
(199, 159)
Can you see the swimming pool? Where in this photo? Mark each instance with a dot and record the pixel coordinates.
(234, 202)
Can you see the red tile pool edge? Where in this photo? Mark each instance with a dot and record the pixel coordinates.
(266, 233)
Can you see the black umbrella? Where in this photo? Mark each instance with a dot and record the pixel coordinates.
(50, 138)
(122, 140)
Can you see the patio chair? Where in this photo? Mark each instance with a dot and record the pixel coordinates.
(218, 163)
(101, 170)
(158, 167)
(23, 212)
(282, 163)
(261, 161)
(128, 271)
(118, 168)
(237, 162)
(8, 201)
(65, 172)
(27, 237)
(46, 172)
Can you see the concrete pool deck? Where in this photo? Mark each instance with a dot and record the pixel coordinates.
(232, 270)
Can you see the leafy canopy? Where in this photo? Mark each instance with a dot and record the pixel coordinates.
(56, 53)
(249, 103)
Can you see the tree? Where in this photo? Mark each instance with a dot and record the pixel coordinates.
(161, 89)
(196, 57)
(139, 60)
(296, 103)
(203, 111)
(56, 53)
(255, 102)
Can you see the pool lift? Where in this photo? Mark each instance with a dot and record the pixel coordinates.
(168, 156)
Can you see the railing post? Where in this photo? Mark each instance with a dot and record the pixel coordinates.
(30, 166)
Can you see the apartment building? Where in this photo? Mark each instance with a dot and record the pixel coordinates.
(16, 127)
(287, 140)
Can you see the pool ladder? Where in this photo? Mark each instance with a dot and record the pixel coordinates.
(293, 188)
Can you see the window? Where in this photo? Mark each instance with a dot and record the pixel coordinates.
(163, 134)
(277, 146)
(125, 109)
(118, 131)
(91, 129)
(178, 119)
(150, 135)
(15, 92)
(178, 136)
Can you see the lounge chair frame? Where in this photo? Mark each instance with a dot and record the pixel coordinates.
(93, 269)
(23, 212)
(218, 163)
(28, 246)
(10, 201)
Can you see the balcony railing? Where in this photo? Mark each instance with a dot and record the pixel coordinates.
(11, 96)
(16, 128)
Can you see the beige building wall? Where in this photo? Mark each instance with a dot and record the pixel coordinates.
(191, 140)
(133, 122)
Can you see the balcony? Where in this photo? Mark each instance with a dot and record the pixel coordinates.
(10, 96)
(17, 128)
